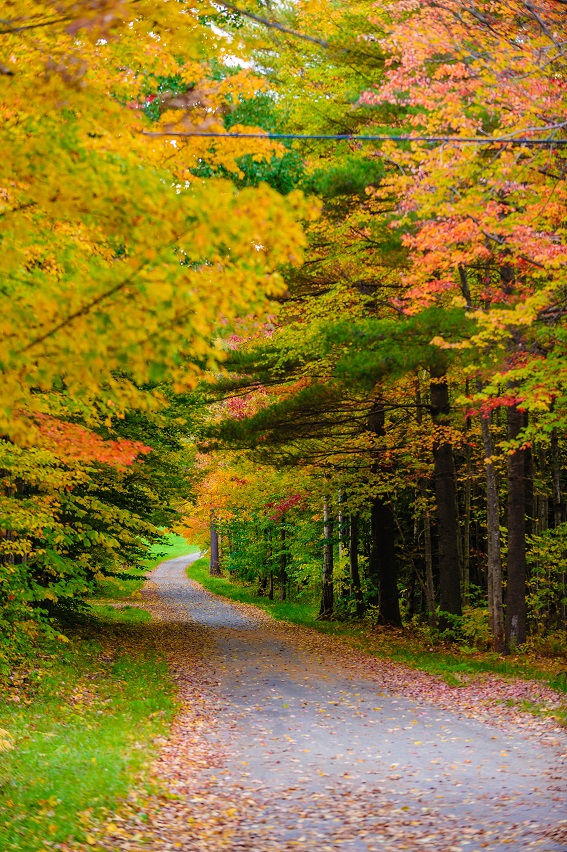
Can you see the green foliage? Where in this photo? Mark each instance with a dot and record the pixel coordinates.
(99, 535)
(547, 583)
(283, 173)
(475, 629)
(350, 176)
(257, 547)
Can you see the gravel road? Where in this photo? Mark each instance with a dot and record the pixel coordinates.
(307, 744)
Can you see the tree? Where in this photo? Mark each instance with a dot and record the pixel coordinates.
(115, 277)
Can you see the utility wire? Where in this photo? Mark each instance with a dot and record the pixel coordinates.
(459, 140)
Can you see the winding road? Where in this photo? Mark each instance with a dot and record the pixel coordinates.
(304, 743)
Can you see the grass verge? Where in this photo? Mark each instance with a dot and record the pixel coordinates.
(115, 589)
(398, 645)
(79, 724)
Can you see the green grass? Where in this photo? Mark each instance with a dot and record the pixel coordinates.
(81, 721)
(123, 614)
(82, 718)
(175, 545)
(399, 645)
(115, 589)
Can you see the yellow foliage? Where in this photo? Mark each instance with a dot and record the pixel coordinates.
(6, 740)
(114, 256)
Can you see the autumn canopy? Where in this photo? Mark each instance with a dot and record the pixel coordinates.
(293, 279)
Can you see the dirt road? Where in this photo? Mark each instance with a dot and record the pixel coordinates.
(290, 740)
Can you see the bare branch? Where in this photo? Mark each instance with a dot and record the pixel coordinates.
(12, 27)
(274, 25)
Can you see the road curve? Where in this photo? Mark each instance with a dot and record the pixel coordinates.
(312, 748)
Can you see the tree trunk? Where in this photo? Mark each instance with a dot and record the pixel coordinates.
(214, 567)
(271, 587)
(494, 569)
(428, 553)
(558, 511)
(353, 565)
(283, 561)
(529, 490)
(445, 494)
(327, 596)
(385, 561)
(467, 531)
(341, 520)
(373, 565)
(516, 615)
(558, 514)
(342, 547)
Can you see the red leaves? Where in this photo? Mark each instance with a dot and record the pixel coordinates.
(141, 104)
(241, 407)
(283, 506)
(77, 444)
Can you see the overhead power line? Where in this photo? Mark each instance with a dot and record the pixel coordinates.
(337, 137)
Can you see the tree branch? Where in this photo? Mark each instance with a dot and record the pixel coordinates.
(274, 25)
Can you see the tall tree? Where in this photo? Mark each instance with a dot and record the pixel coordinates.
(446, 498)
(516, 614)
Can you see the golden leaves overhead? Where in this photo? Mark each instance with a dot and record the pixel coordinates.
(115, 257)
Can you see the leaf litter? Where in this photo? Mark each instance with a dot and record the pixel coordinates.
(289, 739)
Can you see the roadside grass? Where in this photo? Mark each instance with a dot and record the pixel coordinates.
(115, 588)
(559, 714)
(403, 646)
(80, 722)
(121, 614)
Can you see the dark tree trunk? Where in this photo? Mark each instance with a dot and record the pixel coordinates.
(373, 565)
(342, 546)
(558, 510)
(428, 558)
(271, 587)
(446, 498)
(214, 567)
(283, 561)
(353, 565)
(385, 561)
(516, 615)
(427, 548)
(467, 530)
(558, 513)
(327, 594)
(530, 497)
(494, 568)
